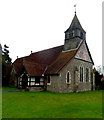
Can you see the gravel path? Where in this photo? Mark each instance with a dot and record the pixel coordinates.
(9, 91)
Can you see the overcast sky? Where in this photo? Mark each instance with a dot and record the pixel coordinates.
(34, 25)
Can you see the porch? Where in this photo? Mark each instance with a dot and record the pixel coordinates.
(30, 83)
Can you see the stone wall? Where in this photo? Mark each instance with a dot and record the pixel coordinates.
(58, 83)
(54, 84)
(73, 68)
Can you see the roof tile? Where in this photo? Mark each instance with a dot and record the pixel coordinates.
(60, 62)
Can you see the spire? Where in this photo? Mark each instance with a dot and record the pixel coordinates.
(75, 8)
(75, 29)
(75, 24)
(74, 34)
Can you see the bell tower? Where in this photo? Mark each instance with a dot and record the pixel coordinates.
(75, 31)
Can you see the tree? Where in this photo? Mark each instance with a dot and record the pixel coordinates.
(6, 66)
(0, 65)
(5, 54)
(98, 78)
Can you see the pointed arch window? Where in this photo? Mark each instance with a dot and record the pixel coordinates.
(81, 35)
(68, 77)
(87, 74)
(67, 35)
(81, 73)
(71, 34)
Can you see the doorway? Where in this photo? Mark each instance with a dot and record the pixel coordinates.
(24, 81)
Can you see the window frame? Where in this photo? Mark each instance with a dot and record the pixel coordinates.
(88, 74)
(48, 78)
(68, 77)
(81, 73)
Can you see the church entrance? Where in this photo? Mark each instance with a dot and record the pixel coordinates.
(24, 81)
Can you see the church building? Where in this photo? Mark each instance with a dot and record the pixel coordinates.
(62, 69)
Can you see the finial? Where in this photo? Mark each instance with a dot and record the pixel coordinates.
(31, 52)
(75, 8)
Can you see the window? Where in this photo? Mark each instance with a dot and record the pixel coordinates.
(48, 80)
(78, 33)
(81, 74)
(41, 81)
(68, 78)
(81, 35)
(32, 83)
(87, 75)
(28, 83)
(71, 35)
(20, 83)
(37, 80)
(33, 79)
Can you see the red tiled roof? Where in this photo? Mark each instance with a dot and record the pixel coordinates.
(49, 61)
(45, 56)
(18, 64)
(60, 62)
(34, 69)
(36, 63)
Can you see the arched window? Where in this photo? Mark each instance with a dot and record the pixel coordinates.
(81, 73)
(81, 35)
(67, 35)
(71, 34)
(87, 74)
(68, 78)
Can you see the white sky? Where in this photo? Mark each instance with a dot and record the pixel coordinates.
(34, 25)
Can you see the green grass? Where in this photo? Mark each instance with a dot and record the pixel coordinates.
(0, 89)
(52, 105)
(7, 89)
(0, 108)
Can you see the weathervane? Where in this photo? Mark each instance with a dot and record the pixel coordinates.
(75, 8)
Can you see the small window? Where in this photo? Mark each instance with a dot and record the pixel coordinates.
(81, 35)
(68, 78)
(81, 74)
(32, 83)
(71, 35)
(41, 81)
(48, 80)
(87, 75)
(67, 35)
(78, 33)
(37, 80)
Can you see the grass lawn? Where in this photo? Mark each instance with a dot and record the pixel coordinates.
(52, 105)
(7, 89)
(0, 89)
(0, 105)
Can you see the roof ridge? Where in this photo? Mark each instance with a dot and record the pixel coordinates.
(47, 49)
(27, 61)
(66, 61)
